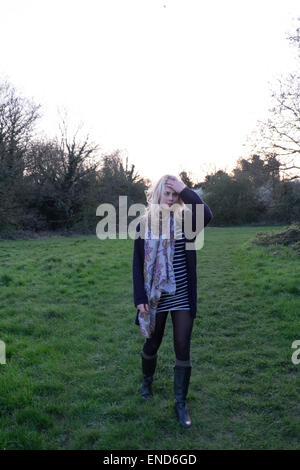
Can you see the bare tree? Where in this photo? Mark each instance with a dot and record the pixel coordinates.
(77, 157)
(294, 37)
(59, 171)
(17, 118)
(279, 136)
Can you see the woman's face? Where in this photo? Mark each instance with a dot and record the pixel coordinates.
(169, 196)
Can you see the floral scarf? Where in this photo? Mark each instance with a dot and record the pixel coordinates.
(158, 271)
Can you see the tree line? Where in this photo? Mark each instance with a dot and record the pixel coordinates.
(57, 184)
(253, 193)
(54, 184)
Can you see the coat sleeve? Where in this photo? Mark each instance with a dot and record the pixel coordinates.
(139, 293)
(191, 197)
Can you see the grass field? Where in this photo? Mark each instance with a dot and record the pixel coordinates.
(72, 374)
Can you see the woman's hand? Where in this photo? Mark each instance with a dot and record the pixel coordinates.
(143, 308)
(174, 183)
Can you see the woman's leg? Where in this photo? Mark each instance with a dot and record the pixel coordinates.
(152, 344)
(149, 354)
(182, 331)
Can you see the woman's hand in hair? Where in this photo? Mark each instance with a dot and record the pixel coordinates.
(175, 184)
(143, 308)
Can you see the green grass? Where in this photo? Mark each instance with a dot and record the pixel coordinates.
(73, 372)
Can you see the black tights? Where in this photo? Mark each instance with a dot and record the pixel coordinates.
(182, 330)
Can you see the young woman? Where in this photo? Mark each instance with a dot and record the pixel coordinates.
(165, 279)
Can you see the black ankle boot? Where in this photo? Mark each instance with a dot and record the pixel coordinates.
(181, 384)
(148, 367)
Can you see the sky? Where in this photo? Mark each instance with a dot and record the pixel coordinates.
(174, 84)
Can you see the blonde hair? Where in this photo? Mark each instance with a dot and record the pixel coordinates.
(154, 208)
(155, 192)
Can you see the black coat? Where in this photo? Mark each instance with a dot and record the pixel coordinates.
(139, 294)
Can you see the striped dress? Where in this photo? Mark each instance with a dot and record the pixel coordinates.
(179, 300)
